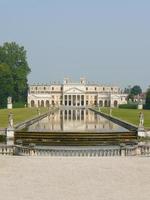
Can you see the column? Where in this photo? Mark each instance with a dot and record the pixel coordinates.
(71, 100)
(63, 101)
(79, 100)
(83, 100)
(76, 99)
(67, 100)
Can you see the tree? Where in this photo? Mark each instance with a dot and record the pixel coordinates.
(6, 84)
(14, 56)
(136, 90)
(148, 98)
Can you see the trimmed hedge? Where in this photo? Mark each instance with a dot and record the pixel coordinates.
(146, 107)
(128, 106)
(19, 105)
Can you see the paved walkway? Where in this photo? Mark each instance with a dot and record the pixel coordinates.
(74, 178)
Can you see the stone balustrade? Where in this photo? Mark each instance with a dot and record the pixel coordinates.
(143, 150)
(7, 150)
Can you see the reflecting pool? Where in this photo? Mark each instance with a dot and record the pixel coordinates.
(76, 121)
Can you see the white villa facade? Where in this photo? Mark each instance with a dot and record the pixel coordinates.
(75, 94)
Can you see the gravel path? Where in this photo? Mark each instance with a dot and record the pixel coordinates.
(74, 178)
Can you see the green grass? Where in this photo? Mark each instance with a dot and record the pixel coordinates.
(130, 115)
(19, 115)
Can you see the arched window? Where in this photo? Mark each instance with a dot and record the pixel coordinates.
(105, 103)
(42, 103)
(101, 103)
(115, 103)
(47, 103)
(32, 103)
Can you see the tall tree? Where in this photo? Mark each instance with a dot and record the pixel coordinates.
(14, 56)
(148, 98)
(6, 84)
(135, 90)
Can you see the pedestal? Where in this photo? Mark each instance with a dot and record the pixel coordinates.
(10, 133)
(10, 136)
(9, 106)
(141, 131)
(140, 106)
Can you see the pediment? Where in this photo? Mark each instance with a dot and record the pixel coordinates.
(74, 90)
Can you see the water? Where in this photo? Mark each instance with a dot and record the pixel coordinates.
(75, 121)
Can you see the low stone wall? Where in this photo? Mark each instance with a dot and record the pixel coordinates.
(120, 122)
(29, 122)
(137, 150)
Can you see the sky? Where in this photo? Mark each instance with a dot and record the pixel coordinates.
(103, 40)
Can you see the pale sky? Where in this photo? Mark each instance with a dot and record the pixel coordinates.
(107, 41)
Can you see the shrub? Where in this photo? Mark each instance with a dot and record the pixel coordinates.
(146, 107)
(19, 105)
(128, 106)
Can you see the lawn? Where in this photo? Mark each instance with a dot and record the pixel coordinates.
(19, 115)
(130, 115)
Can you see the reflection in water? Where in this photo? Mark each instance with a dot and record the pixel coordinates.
(75, 120)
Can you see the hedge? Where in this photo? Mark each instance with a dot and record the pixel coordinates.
(128, 106)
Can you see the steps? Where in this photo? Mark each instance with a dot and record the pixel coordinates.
(75, 138)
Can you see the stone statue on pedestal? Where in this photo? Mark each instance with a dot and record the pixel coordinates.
(141, 119)
(10, 121)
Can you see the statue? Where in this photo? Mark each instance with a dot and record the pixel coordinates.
(9, 102)
(141, 119)
(10, 120)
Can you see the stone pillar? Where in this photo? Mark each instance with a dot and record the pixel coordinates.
(63, 100)
(83, 100)
(79, 100)
(76, 100)
(71, 100)
(123, 149)
(67, 100)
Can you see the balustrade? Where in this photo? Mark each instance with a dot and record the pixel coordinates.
(35, 151)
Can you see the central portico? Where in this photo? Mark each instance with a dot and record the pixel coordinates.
(74, 93)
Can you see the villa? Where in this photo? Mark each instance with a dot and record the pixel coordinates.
(75, 94)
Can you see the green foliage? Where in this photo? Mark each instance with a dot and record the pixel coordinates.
(20, 104)
(15, 67)
(135, 90)
(6, 84)
(146, 107)
(128, 106)
(148, 98)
